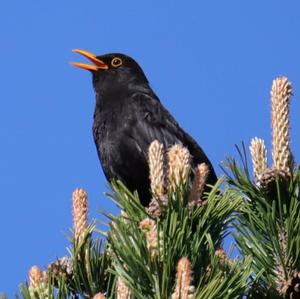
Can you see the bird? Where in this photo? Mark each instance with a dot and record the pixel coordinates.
(128, 116)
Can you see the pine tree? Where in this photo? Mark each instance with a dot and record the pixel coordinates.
(174, 248)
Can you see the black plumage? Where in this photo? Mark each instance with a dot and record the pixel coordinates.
(128, 117)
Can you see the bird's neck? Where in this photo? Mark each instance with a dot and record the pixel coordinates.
(108, 98)
(115, 95)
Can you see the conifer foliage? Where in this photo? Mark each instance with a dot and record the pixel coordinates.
(268, 221)
(174, 247)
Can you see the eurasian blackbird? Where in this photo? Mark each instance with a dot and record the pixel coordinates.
(128, 117)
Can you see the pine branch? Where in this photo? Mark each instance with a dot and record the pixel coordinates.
(267, 222)
(146, 250)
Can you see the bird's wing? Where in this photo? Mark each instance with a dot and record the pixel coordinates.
(153, 121)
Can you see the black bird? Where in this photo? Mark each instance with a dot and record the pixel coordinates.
(128, 117)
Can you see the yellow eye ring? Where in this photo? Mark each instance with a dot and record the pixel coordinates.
(116, 62)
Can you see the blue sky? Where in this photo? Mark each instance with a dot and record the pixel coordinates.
(210, 62)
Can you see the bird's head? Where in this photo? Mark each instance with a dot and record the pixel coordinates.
(112, 70)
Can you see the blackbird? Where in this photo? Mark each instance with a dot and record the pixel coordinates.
(128, 117)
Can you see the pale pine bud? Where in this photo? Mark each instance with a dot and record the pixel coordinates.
(201, 174)
(178, 166)
(38, 283)
(80, 211)
(290, 288)
(154, 208)
(123, 292)
(62, 267)
(148, 226)
(259, 157)
(183, 286)
(99, 296)
(156, 168)
(280, 97)
(220, 253)
(267, 180)
(35, 277)
(156, 157)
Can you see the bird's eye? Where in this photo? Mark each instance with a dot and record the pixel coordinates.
(116, 62)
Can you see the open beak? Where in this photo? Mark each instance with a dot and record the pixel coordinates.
(97, 63)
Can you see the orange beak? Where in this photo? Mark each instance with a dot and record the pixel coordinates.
(98, 64)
